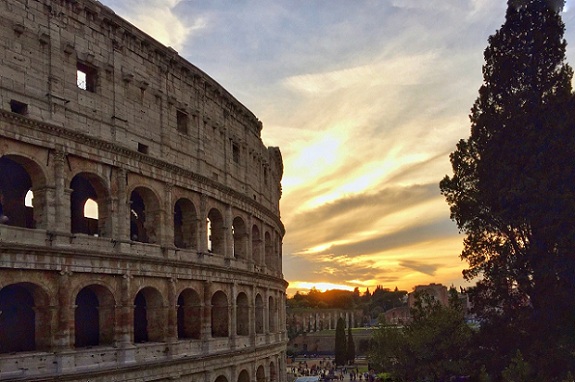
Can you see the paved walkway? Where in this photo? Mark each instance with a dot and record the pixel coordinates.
(314, 366)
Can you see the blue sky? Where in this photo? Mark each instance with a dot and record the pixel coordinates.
(366, 99)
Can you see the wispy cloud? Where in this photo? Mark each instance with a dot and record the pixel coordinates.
(366, 99)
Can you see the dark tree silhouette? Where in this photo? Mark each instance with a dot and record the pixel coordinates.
(513, 192)
(340, 343)
(350, 347)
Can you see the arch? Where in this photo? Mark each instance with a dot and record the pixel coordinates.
(86, 186)
(189, 314)
(25, 318)
(94, 316)
(256, 244)
(270, 260)
(221, 378)
(149, 316)
(260, 374)
(272, 315)
(216, 236)
(240, 238)
(259, 314)
(185, 224)
(242, 315)
(18, 176)
(144, 215)
(220, 319)
(244, 376)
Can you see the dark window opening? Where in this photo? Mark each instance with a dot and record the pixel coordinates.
(86, 77)
(87, 319)
(18, 320)
(140, 319)
(182, 121)
(236, 152)
(142, 148)
(18, 107)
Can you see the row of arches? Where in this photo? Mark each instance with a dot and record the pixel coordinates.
(189, 223)
(26, 321)
(244, 375)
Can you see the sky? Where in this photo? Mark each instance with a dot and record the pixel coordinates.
(366, 100)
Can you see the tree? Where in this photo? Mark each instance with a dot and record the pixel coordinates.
(433, 346)
(340, 343)
(350, 354)
(513, 191)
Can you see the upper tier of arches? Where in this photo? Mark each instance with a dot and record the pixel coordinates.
(136, 210)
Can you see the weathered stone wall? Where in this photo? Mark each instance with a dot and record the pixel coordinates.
(178, 276)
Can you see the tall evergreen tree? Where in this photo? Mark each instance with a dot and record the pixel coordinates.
(513, 190)
(350, 355)
(340, 343)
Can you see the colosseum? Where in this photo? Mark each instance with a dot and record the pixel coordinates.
(140, 232)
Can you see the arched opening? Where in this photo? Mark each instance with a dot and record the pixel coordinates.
(18, 319)
(242, 315)
(272, 315)
(189, 315)
(256, 245)
(244, 376)
(260, 374)
(87, 319)
(144, 215)
(270, 260)
(25, 318)
(185, 224)
(221, 378)
(240, 238)
(88, 209)
(94, 316)
(220, 321)
(15, 186)
(259, 314)
(149, 316)
(216, 239)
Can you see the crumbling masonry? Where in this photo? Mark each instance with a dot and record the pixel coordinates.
(140, 236)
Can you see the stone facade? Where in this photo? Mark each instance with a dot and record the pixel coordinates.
(140, 233)
(307, 320)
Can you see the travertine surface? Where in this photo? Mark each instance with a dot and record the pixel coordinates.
(173, 272)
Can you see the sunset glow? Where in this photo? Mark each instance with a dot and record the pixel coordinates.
(366, 100)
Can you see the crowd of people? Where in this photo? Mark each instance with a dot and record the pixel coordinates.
(326, 370)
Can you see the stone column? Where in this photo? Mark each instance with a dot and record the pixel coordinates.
(172, 332)
(65, 328)
(125, 321)
(232, 314)
(61, 193)
(206, 332)
(202, 228)
(228, 236)
(249, 249)
(122, 228)
(167, 232)
(65, 324)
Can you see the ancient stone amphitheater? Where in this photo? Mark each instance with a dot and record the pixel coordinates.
(140, 237)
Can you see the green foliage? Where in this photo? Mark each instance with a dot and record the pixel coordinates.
(513, 192)
(518, 370)
(340, 343)
(433, 346)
